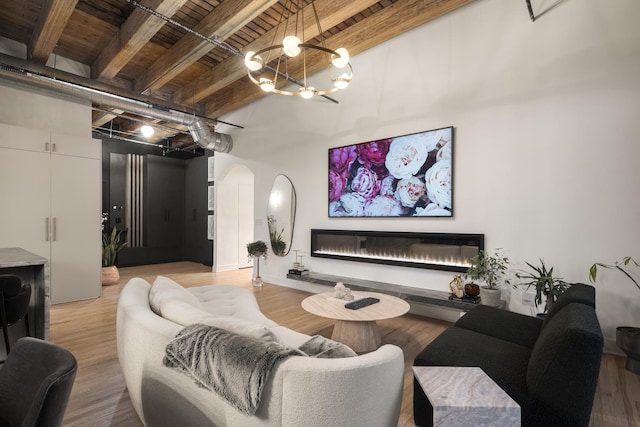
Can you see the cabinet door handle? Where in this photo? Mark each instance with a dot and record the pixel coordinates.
(46, 229)
(54, 229)
(46, 148)
(53, 147)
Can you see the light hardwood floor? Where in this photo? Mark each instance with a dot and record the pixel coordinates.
(99, 396)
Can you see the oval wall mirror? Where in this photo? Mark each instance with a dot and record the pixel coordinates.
(281, 213)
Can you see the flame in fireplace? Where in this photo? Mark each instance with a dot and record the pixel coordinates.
(397, 256)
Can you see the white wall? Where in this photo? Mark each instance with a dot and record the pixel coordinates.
(546, 140)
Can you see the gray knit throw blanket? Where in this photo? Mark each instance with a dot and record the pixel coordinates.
(234, 366)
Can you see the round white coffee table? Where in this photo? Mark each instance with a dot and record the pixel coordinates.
(356, 328)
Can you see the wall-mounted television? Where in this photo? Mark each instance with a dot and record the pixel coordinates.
(404, 176)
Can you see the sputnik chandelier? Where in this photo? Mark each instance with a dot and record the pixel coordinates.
(290, 53)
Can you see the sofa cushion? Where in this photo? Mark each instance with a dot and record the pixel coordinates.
(230, 300)
(576, 293)
(289, 337)
(522, 329)
(185, 314)
(165, 289)
(566, 357)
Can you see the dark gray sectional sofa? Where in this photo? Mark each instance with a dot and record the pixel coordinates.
(549, 367)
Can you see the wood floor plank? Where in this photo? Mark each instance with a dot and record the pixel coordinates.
(100, 398)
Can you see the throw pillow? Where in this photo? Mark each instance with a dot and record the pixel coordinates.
(324, 348)
(164, 289)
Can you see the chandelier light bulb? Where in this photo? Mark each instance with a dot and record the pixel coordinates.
(147, 131)
(253, 63)
(307, 92)
(342, 60)
(290, 46)
(267, 85)
(342, 81)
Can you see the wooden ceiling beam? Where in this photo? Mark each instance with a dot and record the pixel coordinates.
(53, 18)
(132, 36)
(391, 21)
(99, 118)
(331, 13)
(225, 20)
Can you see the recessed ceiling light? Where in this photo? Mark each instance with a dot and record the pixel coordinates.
(147, 131)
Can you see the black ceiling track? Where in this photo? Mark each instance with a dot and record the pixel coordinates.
(531, 15)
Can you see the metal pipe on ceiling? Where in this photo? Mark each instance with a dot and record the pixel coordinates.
(197, 125)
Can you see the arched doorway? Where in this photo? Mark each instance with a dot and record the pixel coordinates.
(234, 218)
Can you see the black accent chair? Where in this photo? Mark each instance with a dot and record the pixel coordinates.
(14, 305)
(35, 384)
(549, 367)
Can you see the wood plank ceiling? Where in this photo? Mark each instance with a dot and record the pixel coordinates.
(135, 53)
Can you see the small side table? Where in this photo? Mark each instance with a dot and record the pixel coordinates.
(466, 396)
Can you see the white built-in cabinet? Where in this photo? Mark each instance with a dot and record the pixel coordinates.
(50, 203)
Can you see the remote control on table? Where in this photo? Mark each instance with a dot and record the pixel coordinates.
(359, 303)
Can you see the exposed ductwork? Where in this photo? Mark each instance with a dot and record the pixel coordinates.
(208, 140)
(198, 127)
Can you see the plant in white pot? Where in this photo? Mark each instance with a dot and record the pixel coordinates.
(111, 245)
(542, 279)
(627, 337)
(490, 269)
(257, 250)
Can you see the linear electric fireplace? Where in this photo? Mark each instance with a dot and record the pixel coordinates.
(438, 251)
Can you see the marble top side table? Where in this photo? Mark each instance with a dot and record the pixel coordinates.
(466, 396)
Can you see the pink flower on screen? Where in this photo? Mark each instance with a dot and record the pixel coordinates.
(372, 155)
(337, 183)
(340, 159)
(366, 183)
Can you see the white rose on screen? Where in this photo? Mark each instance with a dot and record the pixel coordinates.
(429, 140)
(409, 191)
(438, 180)
(335, 209)
(406, 156)
(386, 186)
(383, 206)
(352, 204)
(444, 153)
(432, 210)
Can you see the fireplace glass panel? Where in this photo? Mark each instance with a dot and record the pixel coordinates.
(440, 251)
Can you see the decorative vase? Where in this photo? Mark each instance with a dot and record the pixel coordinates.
(110, 275)
(471, 289)
(456, 286)
(628, 339)
(490, 296)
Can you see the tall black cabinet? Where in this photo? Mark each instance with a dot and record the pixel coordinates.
(164, 210)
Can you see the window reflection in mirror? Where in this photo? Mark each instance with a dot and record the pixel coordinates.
(281, 213)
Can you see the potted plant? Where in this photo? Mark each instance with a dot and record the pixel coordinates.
(111, 245)
(257, 250)
(627, 337)
(545, 284)
(491, 270)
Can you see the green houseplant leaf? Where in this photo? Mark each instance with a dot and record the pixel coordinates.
(111, 245)
(593, 270)
(490, 268)
(544, 282)
(257, 249)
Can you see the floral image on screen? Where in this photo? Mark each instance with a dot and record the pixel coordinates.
(408, 175)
